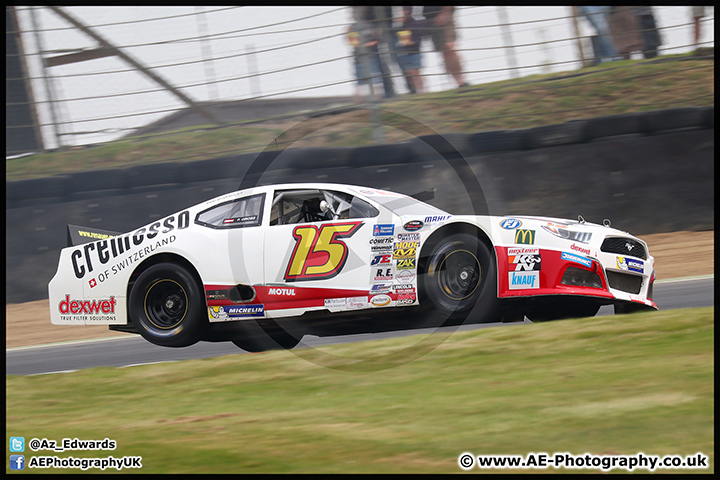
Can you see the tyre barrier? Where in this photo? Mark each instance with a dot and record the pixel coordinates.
(647, 123)
(672, 119)
(153, 174)
(562, 134)
(209, 170)
(497, 141)
(374, 155)
(55, 186)
(613, 125)
(708, 115)
(95, 180)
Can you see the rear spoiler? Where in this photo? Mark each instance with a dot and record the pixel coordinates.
(77, 235)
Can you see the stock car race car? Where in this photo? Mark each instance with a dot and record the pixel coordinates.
(261, 266)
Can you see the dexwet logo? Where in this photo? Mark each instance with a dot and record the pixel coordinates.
(87, 307)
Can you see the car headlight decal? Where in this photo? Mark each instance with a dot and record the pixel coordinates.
(567, 234)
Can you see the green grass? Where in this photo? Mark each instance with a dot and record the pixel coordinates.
(618, 87)
(606, 385)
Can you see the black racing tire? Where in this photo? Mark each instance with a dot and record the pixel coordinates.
(167, 306)
(256, 338)
(460, 276)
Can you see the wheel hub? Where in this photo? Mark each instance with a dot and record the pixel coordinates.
(173, 304)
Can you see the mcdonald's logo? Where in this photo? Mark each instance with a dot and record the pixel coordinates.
(525, 236)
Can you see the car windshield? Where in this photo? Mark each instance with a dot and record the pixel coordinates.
(402, 205)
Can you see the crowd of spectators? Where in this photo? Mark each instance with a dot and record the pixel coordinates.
(384, 36)
(387, 37)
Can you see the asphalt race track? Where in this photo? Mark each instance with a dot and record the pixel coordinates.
(133, 350)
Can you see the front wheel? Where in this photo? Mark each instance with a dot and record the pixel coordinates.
(167, 306)
(461, 275)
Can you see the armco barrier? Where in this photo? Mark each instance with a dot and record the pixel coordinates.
(643, 183)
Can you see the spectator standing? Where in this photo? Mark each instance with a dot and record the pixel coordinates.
(648, 31)
(697, 13)
(441, 26)
(603, 45)
(408, 39)
(363, 39)
(380, 17)
(625, 31)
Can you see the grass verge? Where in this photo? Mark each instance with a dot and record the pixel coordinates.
(606, 385)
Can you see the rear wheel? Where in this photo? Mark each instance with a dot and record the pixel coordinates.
(167, 306)
(461, 275)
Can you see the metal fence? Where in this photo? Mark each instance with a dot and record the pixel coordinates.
(90, 75)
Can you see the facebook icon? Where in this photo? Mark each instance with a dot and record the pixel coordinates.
(17, 462)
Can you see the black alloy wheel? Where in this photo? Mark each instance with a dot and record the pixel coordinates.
(460, 275)
(167, 306)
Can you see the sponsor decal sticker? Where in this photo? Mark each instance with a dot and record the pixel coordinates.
(286, 292)
(524, 262)
(408, 237)
(523, 251)
(231, 312)
(381, 241)
(413, 225)
(576, 258)
(525, 236)
(87, 257)
(406, 299)
(382, 274)
(381, 260)
(404, 289)
(405, 249)
(511, 224)
(630, 264)
(380, 300)
(406, 264)
(523, 280)
(217, 294)
(97, 310)
(250, 219)
(580, 249)
(356, 302)
(405, 276)
(437, 219)
(319, 253)
(246, 311)
(336, 303)
(380, 288)
(383, 230)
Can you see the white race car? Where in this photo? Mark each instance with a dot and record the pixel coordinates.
(263, 266)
